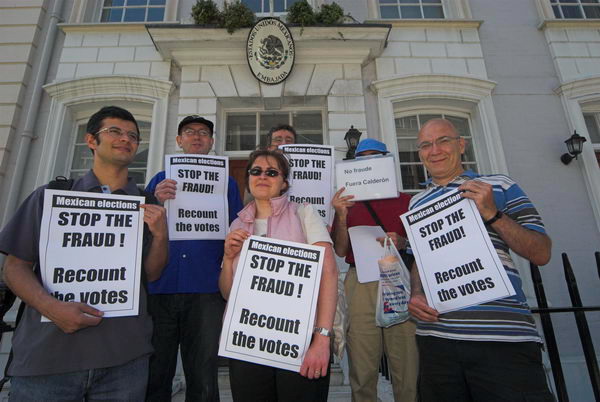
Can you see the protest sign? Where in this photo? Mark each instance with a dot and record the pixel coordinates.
(367, 251)
(311, 176)
(368, 178)
(91, 249)
(457, 262)
(271, 309)
(200, 209)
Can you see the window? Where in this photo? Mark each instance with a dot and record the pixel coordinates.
(133, 10)
(82, 156)
(411, 169)
(246, 131)
(576, 8)
(264, 6)
(592, 123)
(394, 9)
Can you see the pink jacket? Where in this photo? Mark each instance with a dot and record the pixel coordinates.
(283, 224)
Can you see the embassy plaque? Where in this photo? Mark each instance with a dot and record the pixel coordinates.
(270, 51)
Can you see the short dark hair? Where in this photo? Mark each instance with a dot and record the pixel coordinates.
(282, 163)
(95, 122)
(278, 127)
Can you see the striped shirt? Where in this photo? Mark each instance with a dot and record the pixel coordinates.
(507, 319)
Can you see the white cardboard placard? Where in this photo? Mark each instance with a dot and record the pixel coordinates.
(91, 249)
(368, 178)
(311, 176)
(271, 309)
(200, 210)
(457, 262)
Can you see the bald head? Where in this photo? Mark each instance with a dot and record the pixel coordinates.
(440, 149)
(444, 125)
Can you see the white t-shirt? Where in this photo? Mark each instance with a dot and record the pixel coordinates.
(313, 226)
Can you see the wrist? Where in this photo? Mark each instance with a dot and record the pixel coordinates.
(494, 218)
(323, 332)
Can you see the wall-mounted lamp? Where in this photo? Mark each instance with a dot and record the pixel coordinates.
(574, 145)
(352, 137)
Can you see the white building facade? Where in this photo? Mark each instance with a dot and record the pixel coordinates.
(517, 77)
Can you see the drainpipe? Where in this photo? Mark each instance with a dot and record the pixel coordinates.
(31, 112)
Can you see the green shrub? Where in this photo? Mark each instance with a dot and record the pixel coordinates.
(206, 12)
(330, 14)
(237, 15)
(301, 13)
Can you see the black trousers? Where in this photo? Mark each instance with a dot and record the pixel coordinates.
(257, 383)
(471, 371)
(191, 322)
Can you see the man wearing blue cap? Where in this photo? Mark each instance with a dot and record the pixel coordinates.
(365, 340)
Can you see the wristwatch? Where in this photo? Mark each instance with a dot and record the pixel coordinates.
(494, 218)
(323, 331)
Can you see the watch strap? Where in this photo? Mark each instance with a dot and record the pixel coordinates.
(494, 218)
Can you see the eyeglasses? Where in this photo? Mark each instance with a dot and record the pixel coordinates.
(282, 140)
(270, 172)
(116, 132)
(190, 132)
(440, 142)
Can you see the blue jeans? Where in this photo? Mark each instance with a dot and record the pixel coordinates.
(192, 322)
(125, 383)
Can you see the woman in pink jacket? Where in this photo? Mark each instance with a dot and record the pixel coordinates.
(271, 214)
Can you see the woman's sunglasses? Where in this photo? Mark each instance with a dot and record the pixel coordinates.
(270, 172)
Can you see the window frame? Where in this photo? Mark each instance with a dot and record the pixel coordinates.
(453, 10)
(76, 100)
(580, 5)
(241, 154)
(85, 11)
(422, 7)
(146, 8)
(595, 113)
(278, 14)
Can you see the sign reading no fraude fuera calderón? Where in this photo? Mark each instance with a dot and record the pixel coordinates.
(367, 178)
(271, 309)
(457, 262)
(91, 249)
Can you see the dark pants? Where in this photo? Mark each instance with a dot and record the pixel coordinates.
(257, 383)
(481, 371)
(192, 322)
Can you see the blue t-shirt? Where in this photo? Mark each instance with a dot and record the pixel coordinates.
(194, 265)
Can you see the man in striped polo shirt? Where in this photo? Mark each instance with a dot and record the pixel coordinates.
(488, 352)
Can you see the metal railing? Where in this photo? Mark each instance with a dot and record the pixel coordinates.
(585, 337)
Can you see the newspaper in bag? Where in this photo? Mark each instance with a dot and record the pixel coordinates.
(394, 288)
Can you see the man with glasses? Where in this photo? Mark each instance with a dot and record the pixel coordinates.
(365, 340)
(79, 355)
(488, 352)
(185, 303)
(280, 134)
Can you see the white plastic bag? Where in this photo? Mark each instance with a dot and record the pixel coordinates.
(394, 288)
